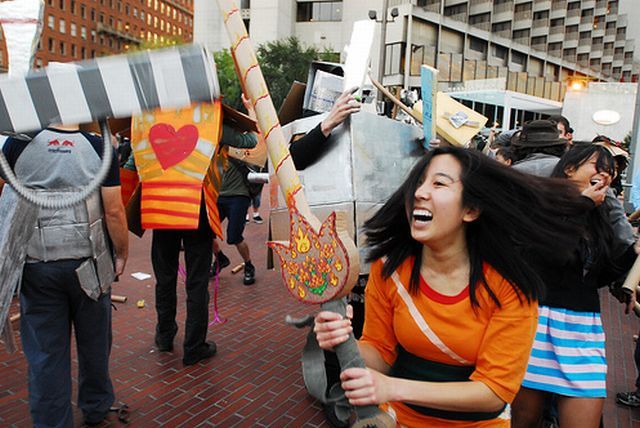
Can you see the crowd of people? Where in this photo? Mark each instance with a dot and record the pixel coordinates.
(481, 308)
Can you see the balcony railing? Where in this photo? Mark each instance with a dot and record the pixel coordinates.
(503, 33)
(502, 7)
(485, 25)
(584, 42)
(522, 40)
(571, 36)
(523, 15)
(556, 52)
(573, 13)
(588, 19)
(557, 29)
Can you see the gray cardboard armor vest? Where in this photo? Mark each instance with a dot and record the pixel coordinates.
(369, 157)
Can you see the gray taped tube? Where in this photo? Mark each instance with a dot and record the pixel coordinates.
(59, 203)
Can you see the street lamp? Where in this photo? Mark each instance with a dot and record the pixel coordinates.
(373, 15)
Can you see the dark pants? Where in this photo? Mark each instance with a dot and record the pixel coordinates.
(165, 251)
(51, 301)
(235, 209)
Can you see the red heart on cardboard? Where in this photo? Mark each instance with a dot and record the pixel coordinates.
(172, 147)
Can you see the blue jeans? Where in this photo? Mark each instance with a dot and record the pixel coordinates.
(51, 301)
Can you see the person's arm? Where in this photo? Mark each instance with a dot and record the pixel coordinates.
(116, 222)
(240, 140)
(306, 150)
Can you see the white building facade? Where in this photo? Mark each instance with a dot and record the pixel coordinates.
(533, 46)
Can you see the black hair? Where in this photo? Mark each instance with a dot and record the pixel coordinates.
(507, 153)
(522, 217)
(599, 233)
(564, 121)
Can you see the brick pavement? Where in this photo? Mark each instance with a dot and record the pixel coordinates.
(255, 379)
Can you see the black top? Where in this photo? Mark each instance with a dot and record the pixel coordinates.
(306, 150)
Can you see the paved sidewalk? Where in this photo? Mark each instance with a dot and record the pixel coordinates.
(255, 379)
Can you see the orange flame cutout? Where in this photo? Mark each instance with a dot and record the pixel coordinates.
(315, 265)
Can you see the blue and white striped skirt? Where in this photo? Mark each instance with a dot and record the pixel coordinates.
(568, 355)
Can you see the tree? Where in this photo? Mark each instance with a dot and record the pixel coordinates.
(282, 62)
(229, 83)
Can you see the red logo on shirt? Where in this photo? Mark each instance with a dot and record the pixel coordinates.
(54, 143)
(68, 143)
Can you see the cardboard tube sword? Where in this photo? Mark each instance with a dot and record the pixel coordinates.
(320, 263)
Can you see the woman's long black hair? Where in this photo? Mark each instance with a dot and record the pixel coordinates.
(524, 221)
(598, 234)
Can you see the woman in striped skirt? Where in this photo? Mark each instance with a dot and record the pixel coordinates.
(568, 355)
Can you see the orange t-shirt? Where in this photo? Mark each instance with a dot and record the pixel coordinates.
(496, 340)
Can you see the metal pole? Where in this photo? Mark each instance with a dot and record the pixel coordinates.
(409, 48)
(633, 151)
(383, 37)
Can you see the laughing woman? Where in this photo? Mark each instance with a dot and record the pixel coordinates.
(451, 303)
(568, 356)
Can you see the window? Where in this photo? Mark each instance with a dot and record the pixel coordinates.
(51, 22)
(93, 36)
(477, 45)
(83, 53)
(72, 6)
(61, 4)
(500, 52)
(83, 32)
(73, 30)
(52, 46)
(93, 14)
(62, 48)
(62, 26)
(83, 11)
(73, 50)
(135, 12)
(322, 11)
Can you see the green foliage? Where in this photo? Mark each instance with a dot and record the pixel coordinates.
(282, 62)
(229, 83)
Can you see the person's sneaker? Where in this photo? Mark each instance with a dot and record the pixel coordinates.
(218, 264)
(249, 274)
(630, 399)
(257, 218)
(208, 350)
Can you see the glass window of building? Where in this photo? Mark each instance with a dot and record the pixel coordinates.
(62, 26)
(51, 22)
(73, 30)
(52, 46)
(61, 4)
(322, 11)
(72, 6)
(62, 48)
(83, 32)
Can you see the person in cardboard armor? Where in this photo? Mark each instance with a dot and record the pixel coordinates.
(68, 274)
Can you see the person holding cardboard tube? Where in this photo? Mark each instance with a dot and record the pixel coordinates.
(451, 305)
